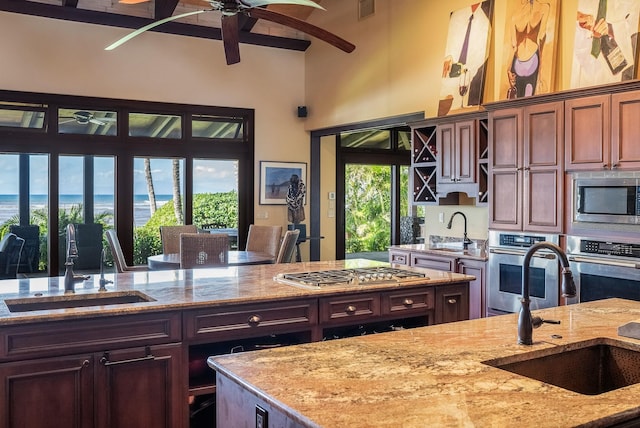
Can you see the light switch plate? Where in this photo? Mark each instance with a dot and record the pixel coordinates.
(262, 417)
(332, 196)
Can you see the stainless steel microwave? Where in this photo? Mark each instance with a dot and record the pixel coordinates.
(606, 200)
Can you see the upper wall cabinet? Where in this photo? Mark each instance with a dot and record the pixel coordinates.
(602, 132)
(450, 155)
(525, 168)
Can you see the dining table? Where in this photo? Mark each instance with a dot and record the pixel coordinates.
(235, 258)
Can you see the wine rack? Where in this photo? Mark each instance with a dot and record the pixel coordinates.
(483, 162)
(424, 165)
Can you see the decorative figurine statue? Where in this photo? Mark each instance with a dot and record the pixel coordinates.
(295, 199)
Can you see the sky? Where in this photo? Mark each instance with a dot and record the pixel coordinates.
(210, 176)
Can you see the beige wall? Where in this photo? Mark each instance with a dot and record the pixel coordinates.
(53, 56)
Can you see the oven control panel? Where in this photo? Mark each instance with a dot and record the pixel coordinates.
(525, 241)
(609, 248)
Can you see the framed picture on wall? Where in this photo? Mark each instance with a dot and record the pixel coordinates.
(275, 178)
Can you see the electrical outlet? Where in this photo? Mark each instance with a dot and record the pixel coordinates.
(262, 417)
(441, 217)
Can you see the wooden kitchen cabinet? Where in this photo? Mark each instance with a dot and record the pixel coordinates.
(602, 132)
(449, 155)
(431, 261)
(526, 178)
(477, 287)
(140, 387)
(452, 303)
(456, 147)
(132, 387)
(102, 372)
(47, 392)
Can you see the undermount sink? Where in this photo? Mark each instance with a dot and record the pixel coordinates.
(592, 367)
(76, 301)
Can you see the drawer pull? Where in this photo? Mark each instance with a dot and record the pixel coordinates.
(452, 301)
(85, 363)
(408, 302)
(351, 309)
(105, 359)
(254, 320)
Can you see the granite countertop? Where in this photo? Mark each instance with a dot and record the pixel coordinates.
(476, 253)
(186, 289)
(435, 376)
(447, 246)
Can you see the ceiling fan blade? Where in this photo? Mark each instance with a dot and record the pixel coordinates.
(259, 3)
(303, 26)
(66, 121)
(97, 122)
(231, 38)
(148, 27)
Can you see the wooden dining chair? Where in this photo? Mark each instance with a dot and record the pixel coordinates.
(170, 236)
(288, 246)
(264, 239)
(203, 250)
(118, 256)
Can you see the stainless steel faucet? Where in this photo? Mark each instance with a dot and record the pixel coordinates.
(103, 280)
(526, 322)
(466, 241)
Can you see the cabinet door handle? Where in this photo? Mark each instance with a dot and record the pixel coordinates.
(614, 165)
(452, 301)
(604, 165)
(351, 309)
(105, 359)
(408, 302)
(254, 320)
(85, 363)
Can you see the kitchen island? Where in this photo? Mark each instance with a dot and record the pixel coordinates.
(430, 376)
(135, 355)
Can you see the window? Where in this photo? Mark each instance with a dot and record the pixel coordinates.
(80, 121)
(22, 115)
(155, 125)
(80, 168)
(203, 126)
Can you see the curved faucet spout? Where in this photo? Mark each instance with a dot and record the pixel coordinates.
(465, 241)
(525, 320)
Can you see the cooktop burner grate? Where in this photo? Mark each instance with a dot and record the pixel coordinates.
(358, 276)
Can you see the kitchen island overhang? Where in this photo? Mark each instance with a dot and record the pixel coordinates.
(429, 376)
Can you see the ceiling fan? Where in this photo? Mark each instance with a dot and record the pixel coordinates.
(231, 9)
(85, 117)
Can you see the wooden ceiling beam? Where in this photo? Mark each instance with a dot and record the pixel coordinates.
(134, 22)
(165, 8)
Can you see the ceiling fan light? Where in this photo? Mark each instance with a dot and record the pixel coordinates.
(132, 1)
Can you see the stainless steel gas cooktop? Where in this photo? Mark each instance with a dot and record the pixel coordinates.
(359, 276)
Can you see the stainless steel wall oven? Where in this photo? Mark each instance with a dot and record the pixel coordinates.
(603, 269)
(504, 273)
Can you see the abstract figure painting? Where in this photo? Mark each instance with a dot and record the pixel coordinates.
(606, 42)
(465, 59)
(530, 42)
